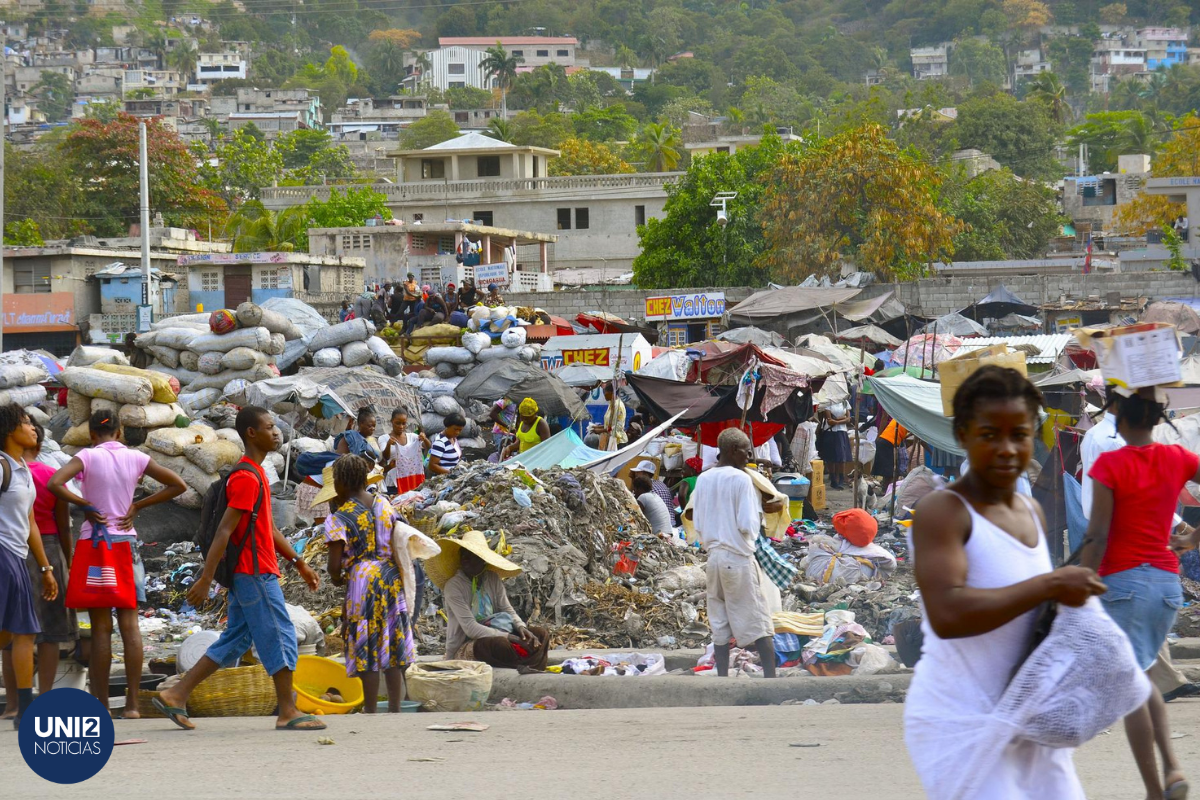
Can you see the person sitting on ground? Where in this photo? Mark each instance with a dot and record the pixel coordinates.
(435, 311)
(451, 298)
(493, 299)
(659, 488)
(109, 474)
(531, 430)
(481, 624)
(728, 512)
(376, 625)
(446, 452)
(257, 614)
(651, 504)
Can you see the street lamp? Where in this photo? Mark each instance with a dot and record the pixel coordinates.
(719, 201)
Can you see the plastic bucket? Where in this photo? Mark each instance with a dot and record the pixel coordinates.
(70, 675)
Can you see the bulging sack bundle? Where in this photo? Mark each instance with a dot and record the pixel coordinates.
(13, 375)
(79, 407)
(181, 375)
(355, 354)
(94, 382)
(494, 353)
(476, 342)
(242, 358)
(251, 315)
(327, 357)
(167, 356)
(210, 363)
(195, 321)
(277, 345)
(87, 355)
(23, 395)
(453, 355)
(154, 415)
(193, 476)
(172, 441)
(200, 400)
(189, 360)
(177, 338)
(450, 685)
(352, 330)
(379, 348)
(513, 338)
(262, 372)
(163, 392)
(222, 321)
(254, 338)
(212, 457)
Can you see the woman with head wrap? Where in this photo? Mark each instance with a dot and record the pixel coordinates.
(531, 431)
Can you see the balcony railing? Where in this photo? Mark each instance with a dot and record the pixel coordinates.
(283, 196)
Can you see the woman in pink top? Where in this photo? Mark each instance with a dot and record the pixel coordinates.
(109, 473)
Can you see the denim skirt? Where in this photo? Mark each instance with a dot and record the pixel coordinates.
(1143, 601)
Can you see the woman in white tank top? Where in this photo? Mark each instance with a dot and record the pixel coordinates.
(983, 568)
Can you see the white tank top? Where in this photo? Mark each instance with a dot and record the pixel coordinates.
(994, 559)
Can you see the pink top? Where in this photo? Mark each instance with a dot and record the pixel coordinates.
(44, 501)
(111, 473)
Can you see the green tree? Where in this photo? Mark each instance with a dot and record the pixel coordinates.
(344, 208)
(183, 58)
(854, 197)
(1071, 57)
(254, 228)
(300, 147)
(38, 186)
(609, 124)
(544, 89)
(769, 102)
(500, 129)
(55, 93)
(584, 157)
(245, 164)
(978, 62)
(1047, 89)
(502, 65)
(102, 160)
(23, 233)
(1109, 134)
(686, 247)
(549, 130)
(660, 145)
(1005, 217)
(385, 56)
(468, 97)
(1020, 135)
(434, 128)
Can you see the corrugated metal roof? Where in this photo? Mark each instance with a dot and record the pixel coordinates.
(1050, 345)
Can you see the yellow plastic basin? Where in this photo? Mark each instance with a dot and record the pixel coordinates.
(315, 676)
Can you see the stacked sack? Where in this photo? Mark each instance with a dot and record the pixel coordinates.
(21, 376)
(480, 348)
(353, 343)
(145, 402)
(209, 358)
(196, 453)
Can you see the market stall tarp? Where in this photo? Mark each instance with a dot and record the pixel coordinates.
(751, 335)
(302, 391)
(517, 380)
(999, 302)
(868, 333)
(788, 300)
(671, 365)
(713, 408)
(582, 374)
(366, 387)
(728, 360)
(564, 449)
(918, 406)
(954, 324)
(1183, 317)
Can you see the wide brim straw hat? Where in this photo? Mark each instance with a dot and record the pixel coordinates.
(329, 491)
(445, 564)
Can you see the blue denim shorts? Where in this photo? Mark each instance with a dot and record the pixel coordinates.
(1143, 601)
(258, 616)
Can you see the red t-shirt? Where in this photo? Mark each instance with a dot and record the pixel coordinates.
(43, 502)
(1145, 482)
(241, 492)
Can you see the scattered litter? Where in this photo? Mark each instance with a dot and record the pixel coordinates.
(428, 759)
(474, 727)
(325, 740)
(805, 744)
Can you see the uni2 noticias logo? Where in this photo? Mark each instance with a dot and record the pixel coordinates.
(66, 736)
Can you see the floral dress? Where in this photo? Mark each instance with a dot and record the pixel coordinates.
(375, 619)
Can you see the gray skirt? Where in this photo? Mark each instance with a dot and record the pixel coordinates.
(59, 623)
(17, 613)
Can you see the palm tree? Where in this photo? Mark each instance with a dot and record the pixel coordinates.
(1126, 94)
(254, 228)
(498, 63)
(1047, 88)
(625, 57)
(183, 59)
(213, 126)
(500, 128)
(423, 65)
(662, 144)
(1138, 135)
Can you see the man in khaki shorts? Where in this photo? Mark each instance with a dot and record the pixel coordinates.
(728, 514)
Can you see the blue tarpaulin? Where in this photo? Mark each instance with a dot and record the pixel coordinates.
(563, 449)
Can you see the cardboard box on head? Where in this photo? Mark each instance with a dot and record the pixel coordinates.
(953, 372)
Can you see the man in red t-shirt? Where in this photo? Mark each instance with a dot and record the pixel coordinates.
(257, 613)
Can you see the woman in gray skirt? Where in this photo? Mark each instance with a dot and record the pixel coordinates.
(18, 538)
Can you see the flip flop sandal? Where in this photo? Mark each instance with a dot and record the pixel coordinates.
(1176, 791)
(294, 725)
(177, 715)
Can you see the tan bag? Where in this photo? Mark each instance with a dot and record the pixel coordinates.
(450, 685)
(172, 441)
(953, 372)
(163, 393)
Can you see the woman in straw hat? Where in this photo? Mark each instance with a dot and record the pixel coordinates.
(375, 621)
(481, 623)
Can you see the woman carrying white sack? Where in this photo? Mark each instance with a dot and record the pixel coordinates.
(986, 718)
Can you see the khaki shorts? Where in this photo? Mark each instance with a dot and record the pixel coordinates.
(736, 606)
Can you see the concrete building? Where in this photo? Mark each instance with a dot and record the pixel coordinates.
(99, 85)
(474, 119)
(172, 111)
(1165, 47)
(628, 77)
(515, 260)
(300, 104)
(1112, 59)
(1092, 201)
(272, 123)
(501, 185)
(930, 62)
(373, 119)
(975, 162)
(732, 143)
(213, 67)
(456, 62)
(225, 280)
(163, 82)
(1029, 63)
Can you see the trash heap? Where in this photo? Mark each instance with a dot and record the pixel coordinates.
(587, 553)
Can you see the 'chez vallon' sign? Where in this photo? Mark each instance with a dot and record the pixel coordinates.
(685, 306)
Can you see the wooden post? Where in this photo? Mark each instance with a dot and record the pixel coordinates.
(857, 471)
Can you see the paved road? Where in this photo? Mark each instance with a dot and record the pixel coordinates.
(667, 753)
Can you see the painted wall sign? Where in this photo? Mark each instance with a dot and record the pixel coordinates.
(701, 305)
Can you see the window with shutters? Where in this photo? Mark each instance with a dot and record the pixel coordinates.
(31, 279)
(210, 281)
(418, 241)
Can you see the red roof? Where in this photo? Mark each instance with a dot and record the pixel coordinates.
(507, 41)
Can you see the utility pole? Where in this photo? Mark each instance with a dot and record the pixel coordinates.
(144, 173)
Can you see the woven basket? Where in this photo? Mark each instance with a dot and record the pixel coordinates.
(146, 705)
(234, 692)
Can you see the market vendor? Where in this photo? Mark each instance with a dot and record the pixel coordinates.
(648, 468)
(531, 429)
(493, 299)
(468, 298)
(451, 298)
(435, 311)
(481, 624)
(612, 431)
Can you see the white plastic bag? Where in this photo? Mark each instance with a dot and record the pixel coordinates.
(327, 357)
(513, 338)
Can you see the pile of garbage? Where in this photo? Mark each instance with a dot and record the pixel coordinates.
(588, 555)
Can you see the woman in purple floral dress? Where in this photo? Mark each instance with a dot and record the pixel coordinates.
(375, 621)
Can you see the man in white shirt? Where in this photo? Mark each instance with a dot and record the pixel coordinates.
(728, 515)
(1103, 438)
